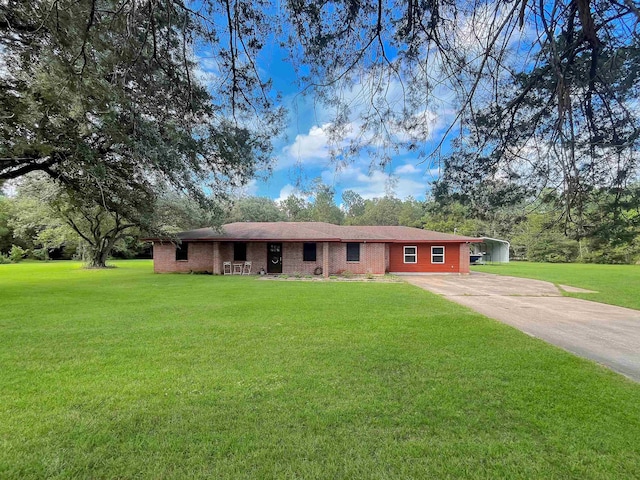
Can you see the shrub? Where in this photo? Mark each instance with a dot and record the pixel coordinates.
(42, 254)
(17, 253)
(613, 255)
(347, 274)
(4, 259)
(553, 248)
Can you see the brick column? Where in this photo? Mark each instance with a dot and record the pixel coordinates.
(325, 259)
(464, 258)
(216, 258)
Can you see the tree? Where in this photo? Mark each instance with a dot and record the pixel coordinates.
(175, 213)
(382, 65)
(592, 145)
(56, 214)
(541, 93)
(34, 224)
(296, 209)
(256, 209)
(613, 226)
(353, 205)
(104, 96)
(452, 217)
(324, 208)
(6, 231)
(106, 91)
(411, 213)
(380, 211)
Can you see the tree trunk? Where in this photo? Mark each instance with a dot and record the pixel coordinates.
(96, 258)
(100, 251)
(98, 254)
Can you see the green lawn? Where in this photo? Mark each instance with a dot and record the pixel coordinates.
(125, 374)
(615, 284)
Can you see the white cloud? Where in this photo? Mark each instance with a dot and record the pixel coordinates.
(378, 183)
(288, 190)
(407, 168)
(248, 190)
(312, 145)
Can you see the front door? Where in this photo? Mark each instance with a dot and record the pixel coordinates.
(274, 258)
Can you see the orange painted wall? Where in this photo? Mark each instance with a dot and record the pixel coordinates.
(451, 258)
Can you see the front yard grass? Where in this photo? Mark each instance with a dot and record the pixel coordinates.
(614, 284)
(126, 374)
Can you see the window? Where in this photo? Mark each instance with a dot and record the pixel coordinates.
(437, 254)
(353, 252)
(239, 252)
(309, 252)
(411, 254)
(182, 251)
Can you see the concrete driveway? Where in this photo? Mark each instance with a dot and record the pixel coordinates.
(607, 334)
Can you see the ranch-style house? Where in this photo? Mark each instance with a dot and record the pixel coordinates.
(312, 248)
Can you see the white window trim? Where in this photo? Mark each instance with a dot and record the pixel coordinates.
(415, 254)
(443, 254)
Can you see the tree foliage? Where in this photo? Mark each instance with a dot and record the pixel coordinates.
(106, 96)
(324, 208)
(255, 209)
(296, 209)
(57, 216)
(541, 93)
(473, 46)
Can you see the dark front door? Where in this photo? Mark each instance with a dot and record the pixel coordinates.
(274, 258)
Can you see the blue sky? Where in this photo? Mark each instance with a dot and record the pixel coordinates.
(302, 153)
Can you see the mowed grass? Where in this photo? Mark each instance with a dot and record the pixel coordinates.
(614, 284)
(126, 374)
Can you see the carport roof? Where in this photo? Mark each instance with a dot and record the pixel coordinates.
(318, 232)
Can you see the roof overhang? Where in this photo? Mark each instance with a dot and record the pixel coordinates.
(311, 240)
(497, 240)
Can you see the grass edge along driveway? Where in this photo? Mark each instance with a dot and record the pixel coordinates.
(123, 373)
(613, 284)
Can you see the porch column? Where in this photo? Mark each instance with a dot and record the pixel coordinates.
(325, 259)
(216, 258)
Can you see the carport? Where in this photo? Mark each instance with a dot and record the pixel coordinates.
(493, 250)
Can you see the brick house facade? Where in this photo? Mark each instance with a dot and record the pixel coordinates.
(309, 247)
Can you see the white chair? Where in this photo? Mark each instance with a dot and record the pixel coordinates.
(226, 268)
(237, 269)
(247, 268)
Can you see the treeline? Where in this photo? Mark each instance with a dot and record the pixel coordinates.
(43, 222)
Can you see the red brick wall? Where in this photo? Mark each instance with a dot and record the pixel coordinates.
(200, 258)
(464, 258)
(292, 259)
(375, 258)
(372, 259)
(452, 256)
